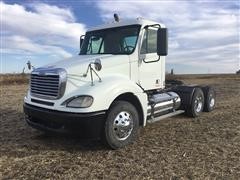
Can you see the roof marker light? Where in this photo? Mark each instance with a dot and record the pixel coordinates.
(116, 18)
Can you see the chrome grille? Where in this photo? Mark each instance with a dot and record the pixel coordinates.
(48, 83)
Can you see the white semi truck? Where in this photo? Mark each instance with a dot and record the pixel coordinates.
(114, 86)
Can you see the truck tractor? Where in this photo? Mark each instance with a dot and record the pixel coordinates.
(113, 87)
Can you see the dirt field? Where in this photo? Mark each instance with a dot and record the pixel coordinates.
(207, 147)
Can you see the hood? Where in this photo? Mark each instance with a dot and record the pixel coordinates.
(78, 65)
(76, 68)
(80, 61)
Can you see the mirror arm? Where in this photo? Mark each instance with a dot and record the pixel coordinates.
(99, 79)
(80, 44)
(90, 68)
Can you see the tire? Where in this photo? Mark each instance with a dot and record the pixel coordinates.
(121, 126)
(197, 103)
(210, 98)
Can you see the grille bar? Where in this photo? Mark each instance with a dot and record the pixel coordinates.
(48, 76)
(46, 83)
(44, 76)
(44, 80)
(43, 93)
(40, 86)
(42, 89)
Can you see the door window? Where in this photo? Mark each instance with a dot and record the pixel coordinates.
(149, 43)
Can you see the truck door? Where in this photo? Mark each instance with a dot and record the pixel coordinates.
(151, 66)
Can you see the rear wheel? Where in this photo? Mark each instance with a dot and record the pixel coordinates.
(197, 103)
(121, 127)
(210, 98)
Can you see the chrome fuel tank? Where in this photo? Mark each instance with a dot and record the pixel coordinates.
(163, 102)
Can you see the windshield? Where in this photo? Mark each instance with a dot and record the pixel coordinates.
(119, 40)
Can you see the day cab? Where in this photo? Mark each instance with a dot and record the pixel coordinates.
(115, 85)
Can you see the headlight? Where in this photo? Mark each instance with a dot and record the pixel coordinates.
(79, 101)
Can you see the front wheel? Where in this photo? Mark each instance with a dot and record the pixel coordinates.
(121, 126)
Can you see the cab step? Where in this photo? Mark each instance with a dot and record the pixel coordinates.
(155, 119)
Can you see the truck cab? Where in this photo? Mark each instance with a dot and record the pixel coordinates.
(115, 85)
(134, 44)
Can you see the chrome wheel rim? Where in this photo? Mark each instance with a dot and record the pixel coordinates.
(198, 104)
(122, 125)
(212, 102)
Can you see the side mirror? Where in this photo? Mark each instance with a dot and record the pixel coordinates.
(81, 40)
(98, 64)
(162, 41)
(29, 65)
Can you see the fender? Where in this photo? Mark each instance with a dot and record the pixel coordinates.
(185, 93)
(104, 93)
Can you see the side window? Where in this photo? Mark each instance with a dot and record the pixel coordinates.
(149, 43)
(94, 45)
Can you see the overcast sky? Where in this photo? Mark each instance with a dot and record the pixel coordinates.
(204, 35)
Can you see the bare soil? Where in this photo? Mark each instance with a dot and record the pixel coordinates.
(207, 147)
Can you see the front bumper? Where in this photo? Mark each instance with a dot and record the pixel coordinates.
(86, 124)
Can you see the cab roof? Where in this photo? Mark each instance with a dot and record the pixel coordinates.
(140, 21)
